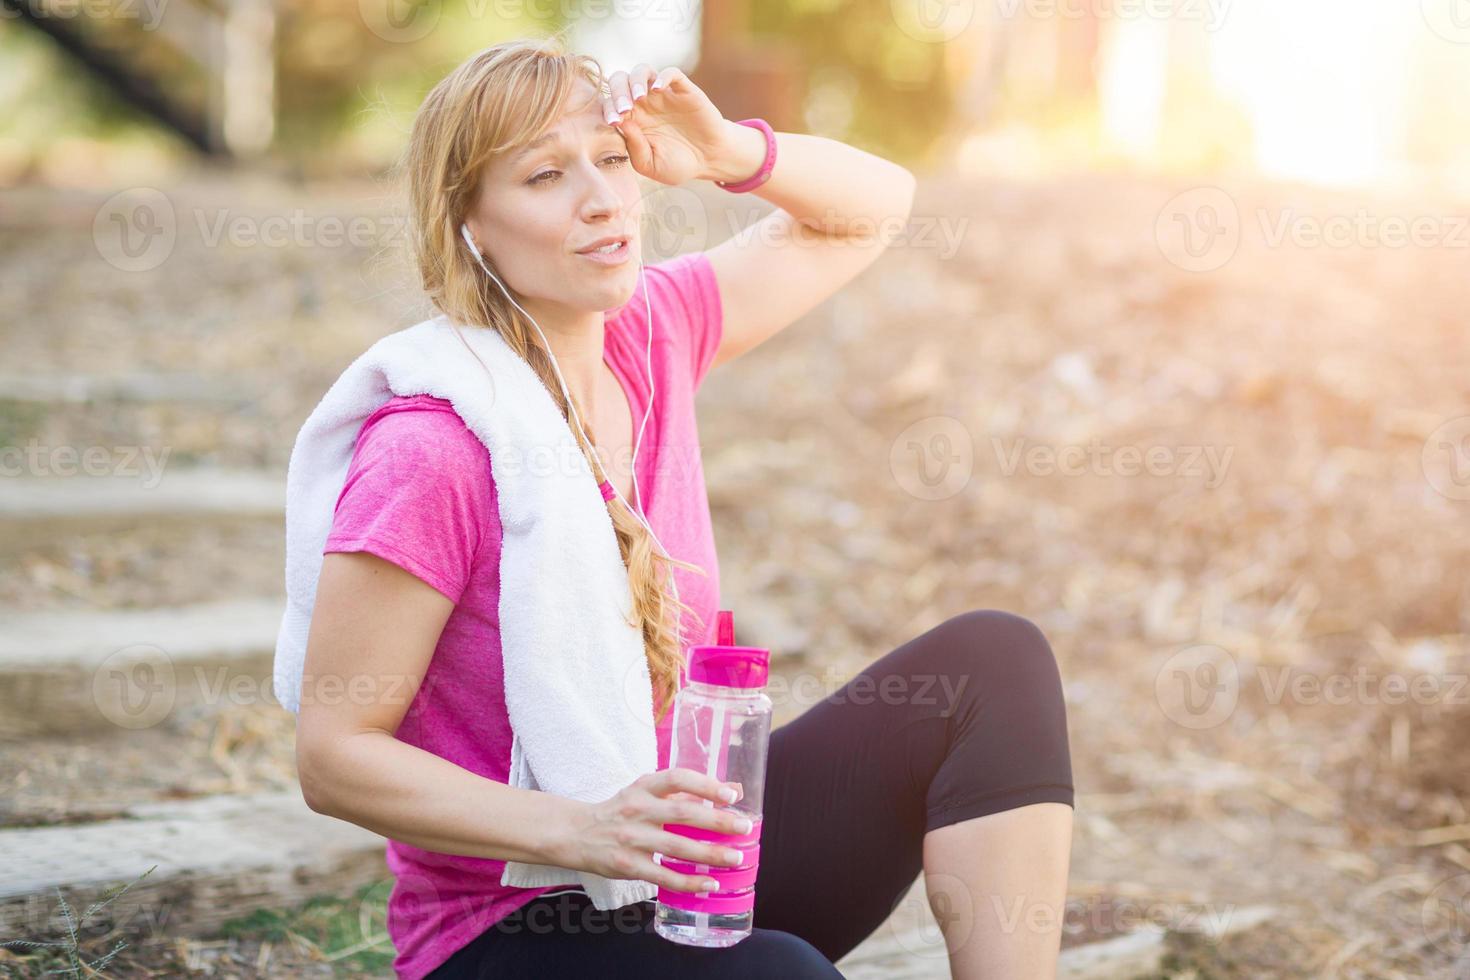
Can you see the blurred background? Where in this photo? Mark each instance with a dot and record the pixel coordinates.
(1169, 359)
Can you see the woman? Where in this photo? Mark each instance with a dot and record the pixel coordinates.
(960, 769)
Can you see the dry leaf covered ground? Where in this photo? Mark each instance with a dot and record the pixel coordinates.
(1218, 468)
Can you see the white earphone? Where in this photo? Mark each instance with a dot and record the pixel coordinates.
(464, 230)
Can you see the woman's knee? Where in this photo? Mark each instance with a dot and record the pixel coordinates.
(774, 953)
(766, 952)
(1001, 649)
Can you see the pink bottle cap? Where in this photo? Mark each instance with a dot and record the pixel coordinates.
(726, 665)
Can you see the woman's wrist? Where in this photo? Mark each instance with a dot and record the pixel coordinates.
(561, 831)
(741, 154)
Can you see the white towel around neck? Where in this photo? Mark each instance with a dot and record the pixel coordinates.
(575, 669)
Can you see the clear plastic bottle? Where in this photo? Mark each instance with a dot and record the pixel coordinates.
(722, 727)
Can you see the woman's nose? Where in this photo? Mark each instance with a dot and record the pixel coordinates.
(601, 198)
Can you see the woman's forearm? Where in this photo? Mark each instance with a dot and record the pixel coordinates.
(827, 185)
(407, 794)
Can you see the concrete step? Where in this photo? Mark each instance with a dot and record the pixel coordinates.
(134, 387)
(68, 672)
(217, 858)
(910, 946)
(146, 487)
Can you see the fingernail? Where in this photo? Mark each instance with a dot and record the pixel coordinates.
(744, 824)
(638, 92)
(612, 118)
(708, 885)
(733, 856)
(727, 794)
(624, 105)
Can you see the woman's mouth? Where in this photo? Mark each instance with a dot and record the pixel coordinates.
(615, 253)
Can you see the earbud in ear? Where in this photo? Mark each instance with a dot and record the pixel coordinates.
(464, 231)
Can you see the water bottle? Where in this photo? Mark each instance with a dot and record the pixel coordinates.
(721, 727)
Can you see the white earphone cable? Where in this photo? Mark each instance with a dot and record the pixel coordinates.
(648, 365)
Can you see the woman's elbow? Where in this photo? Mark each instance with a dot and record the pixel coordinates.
(313, 772)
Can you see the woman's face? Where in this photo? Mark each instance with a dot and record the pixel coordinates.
(540, 206)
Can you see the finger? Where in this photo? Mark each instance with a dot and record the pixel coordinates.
(703, 815)
(697, 851)
(678, 881)
(670, 79)
(640, 78)
(619, 92)
(683, 778)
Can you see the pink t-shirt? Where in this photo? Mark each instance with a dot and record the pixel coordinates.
(420, 493)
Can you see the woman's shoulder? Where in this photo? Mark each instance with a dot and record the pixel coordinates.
(688, 314)
(425, 433)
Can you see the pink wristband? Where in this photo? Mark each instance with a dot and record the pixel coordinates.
(764, 173)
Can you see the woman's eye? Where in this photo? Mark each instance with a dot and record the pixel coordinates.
(618, 159)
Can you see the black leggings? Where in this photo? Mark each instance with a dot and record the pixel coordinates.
(964, 720)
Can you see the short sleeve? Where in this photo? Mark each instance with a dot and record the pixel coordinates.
(418, 494)
(692, 283)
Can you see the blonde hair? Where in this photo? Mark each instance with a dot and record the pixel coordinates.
(495, 101)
